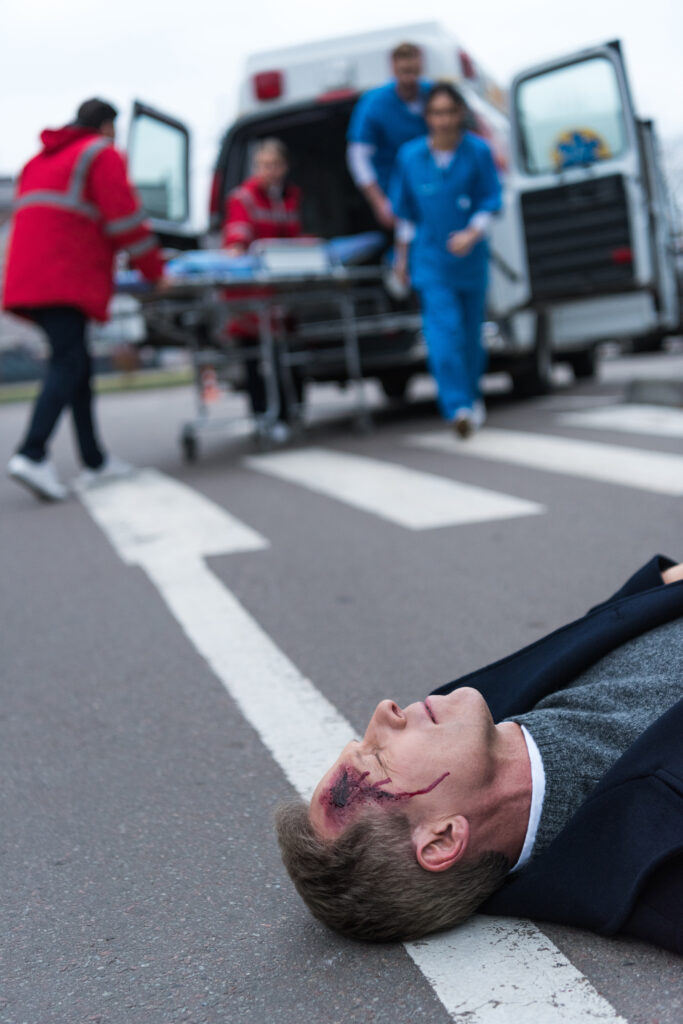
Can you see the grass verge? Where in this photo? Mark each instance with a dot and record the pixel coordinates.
(140, 380)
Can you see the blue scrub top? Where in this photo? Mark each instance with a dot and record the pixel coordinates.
(442, 200)
(382, 119)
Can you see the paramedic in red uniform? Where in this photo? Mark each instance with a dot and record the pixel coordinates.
(74, 209)
(263, 206)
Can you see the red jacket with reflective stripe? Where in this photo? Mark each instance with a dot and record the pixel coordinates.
(253, 214)
(74, 209)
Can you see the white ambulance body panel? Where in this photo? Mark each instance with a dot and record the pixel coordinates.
(362, 62)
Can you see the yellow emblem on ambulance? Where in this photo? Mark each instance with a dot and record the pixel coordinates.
(578, 147)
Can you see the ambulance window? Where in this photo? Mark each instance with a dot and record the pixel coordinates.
(570, 117)
(158, 167)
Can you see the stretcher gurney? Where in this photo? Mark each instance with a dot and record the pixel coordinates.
(276, 280)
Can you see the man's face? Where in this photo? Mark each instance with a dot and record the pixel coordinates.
(407, 71)
(429, 759)
(270, 168)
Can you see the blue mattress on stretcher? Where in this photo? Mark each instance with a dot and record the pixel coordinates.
(217, 265)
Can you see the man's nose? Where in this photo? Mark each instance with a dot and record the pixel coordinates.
(389, 714)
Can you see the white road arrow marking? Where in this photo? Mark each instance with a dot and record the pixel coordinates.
(492, 970)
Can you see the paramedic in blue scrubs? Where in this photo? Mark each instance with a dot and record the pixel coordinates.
(382, 120)
(444, 192)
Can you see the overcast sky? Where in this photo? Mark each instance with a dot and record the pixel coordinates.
(186, 56)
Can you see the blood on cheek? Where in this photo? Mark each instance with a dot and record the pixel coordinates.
(350, 787)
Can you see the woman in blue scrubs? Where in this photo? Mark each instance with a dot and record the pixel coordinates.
(444, 191)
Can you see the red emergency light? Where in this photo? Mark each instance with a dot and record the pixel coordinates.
(467, 65)
(622, 255)
(215, 211)
(268, 85)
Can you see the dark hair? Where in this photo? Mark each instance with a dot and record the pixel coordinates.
(445, 89)
(94, 113)
(368, 884)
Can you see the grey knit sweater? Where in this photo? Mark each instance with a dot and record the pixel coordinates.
(582, 730)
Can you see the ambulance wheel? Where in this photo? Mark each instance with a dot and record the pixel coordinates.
(535, 374)
(652, 342)
(189, 446)
(395, 385)
(584, 364)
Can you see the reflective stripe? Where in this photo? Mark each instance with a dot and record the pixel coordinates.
(85, 159)
(139, 248)
(245, 197)
(120, 225)
(264, 214)
(73, 199)
(240, 227)
(57, 200)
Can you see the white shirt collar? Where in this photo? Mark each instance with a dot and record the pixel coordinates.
(537, 796)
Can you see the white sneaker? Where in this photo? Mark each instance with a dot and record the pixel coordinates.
(280, 432)
(40, 477)
(112, 468)
(478, 414)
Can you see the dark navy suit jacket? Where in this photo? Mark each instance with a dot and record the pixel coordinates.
(617, 866)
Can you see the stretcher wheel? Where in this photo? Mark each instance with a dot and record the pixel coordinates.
(189, 446)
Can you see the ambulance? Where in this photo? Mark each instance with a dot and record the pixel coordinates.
(581, 253)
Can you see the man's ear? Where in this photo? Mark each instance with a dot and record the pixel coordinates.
(439, 846)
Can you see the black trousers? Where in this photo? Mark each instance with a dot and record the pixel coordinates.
(256, 385)
(66, 385)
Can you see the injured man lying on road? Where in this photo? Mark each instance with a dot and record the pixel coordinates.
(548, 785)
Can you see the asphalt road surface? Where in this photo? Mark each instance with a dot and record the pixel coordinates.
(181, 652)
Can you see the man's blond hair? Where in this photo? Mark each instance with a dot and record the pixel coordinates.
(405, 51)
(367, 883)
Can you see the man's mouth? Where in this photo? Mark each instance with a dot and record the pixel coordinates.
(429, 711)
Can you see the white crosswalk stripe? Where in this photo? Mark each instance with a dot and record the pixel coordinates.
(659, 472)
(491, 970)
(399, 494)
(656, 420)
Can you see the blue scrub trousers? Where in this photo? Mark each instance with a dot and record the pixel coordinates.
(451, 320)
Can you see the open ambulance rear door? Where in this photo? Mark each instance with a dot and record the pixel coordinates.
(159, 167)
(596, 226)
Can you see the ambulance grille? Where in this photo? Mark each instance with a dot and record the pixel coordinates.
(578, 239)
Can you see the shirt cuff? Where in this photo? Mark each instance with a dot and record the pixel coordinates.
(480, 221)
(405, 231)
(359, 161)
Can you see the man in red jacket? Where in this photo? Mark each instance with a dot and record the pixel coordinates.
(75, 208)
(264, 206)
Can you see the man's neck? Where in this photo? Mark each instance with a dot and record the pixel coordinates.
(503, 813)
(409, 94)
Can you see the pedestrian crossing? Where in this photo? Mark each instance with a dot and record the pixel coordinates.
(654, 420)
(407, 497)
(419, 500)
(657, 472)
